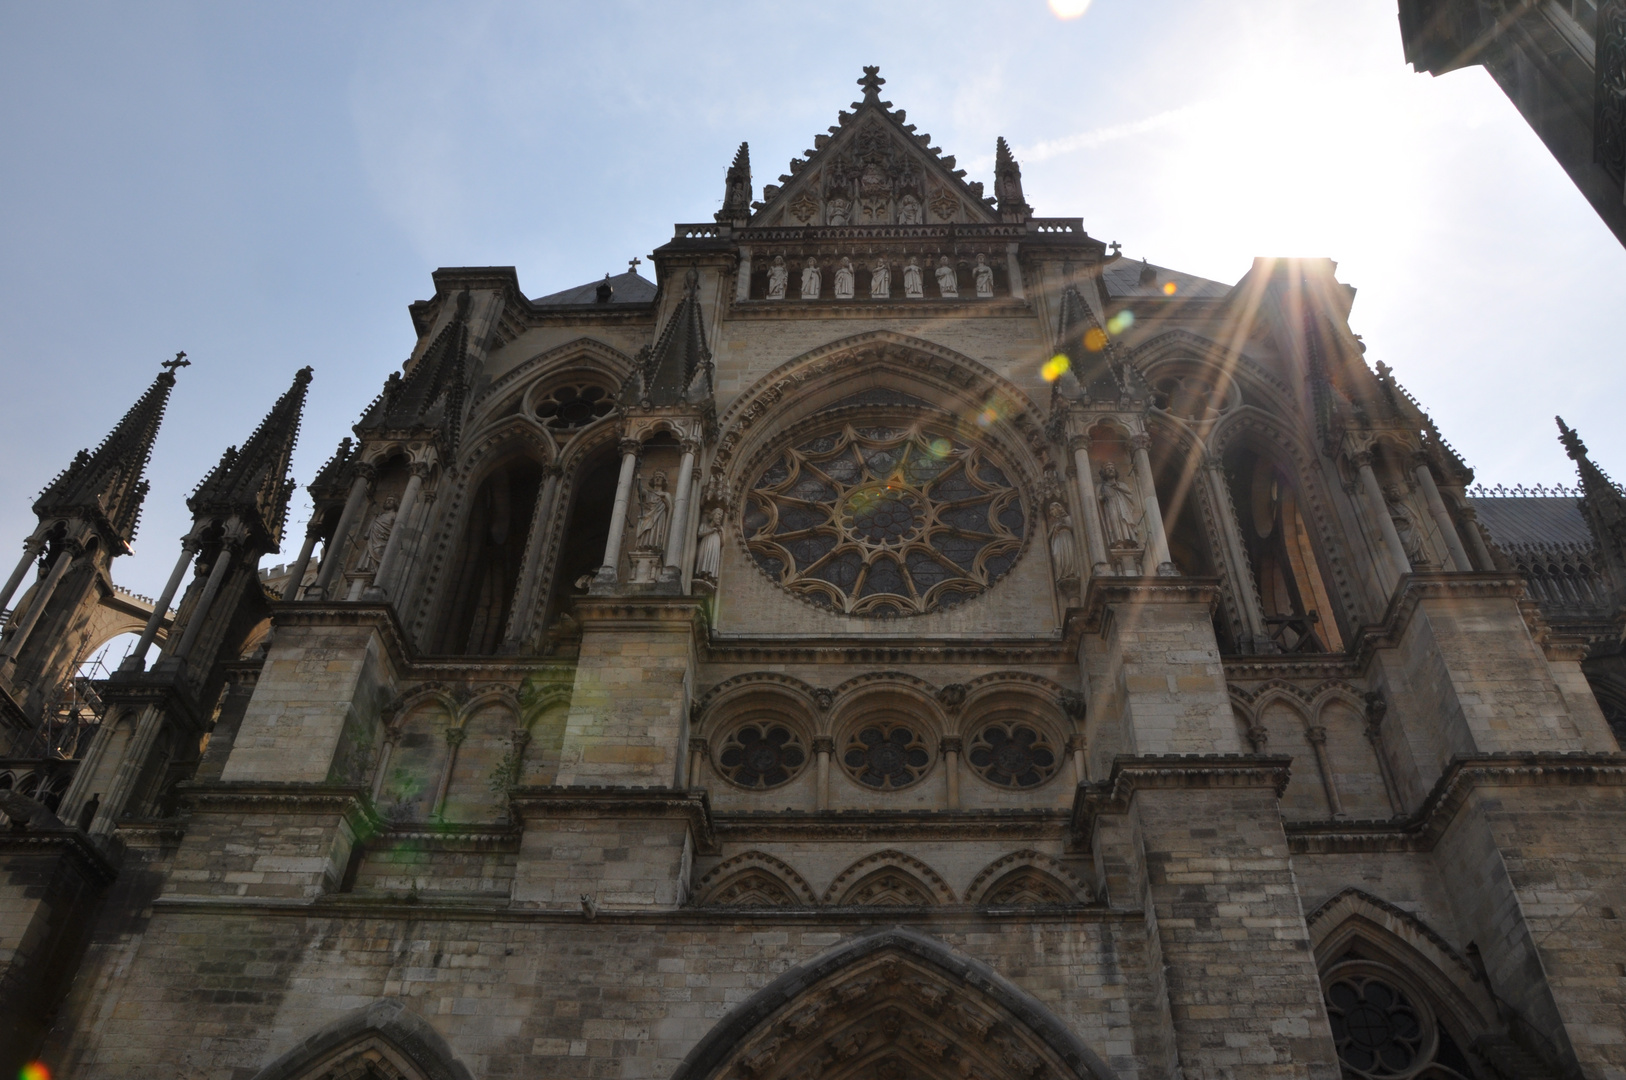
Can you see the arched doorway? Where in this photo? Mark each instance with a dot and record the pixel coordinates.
(893, 1005)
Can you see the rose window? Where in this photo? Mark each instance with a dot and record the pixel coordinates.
(568, 407)
(885, 520)
(887, 756)
(1012, 754)
(761, 755)
(1377, 1029)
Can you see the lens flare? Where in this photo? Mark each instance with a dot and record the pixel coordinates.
(1069, 9)
(1169, 288)
(940, 448)
(34, 1070)
(1120, 322)
(1054, 368)
(1095, 339)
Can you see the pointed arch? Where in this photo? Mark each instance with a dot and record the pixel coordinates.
(913, 879)
(754, 879)
(892, 995)
(585, 354)
(1026, 878)
(399, 1044)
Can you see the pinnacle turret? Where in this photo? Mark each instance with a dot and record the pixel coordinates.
(669, 370)
(430, 396)
(107, 486)
(253, 482)
(1008, 184)
(737, 188)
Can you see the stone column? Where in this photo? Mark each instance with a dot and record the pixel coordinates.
(1476, 539)
(1244, 589)
(1157, 540)
(951, 747)
(403, 518)
(530, 572)
(333, 557)
(454, 739)
(137, 660)
(1095, 544)
(1378, 507)
(312, 534)
(1013, 268)
(823, 747)
(618, 516)
(1317, 737)
(699, 750)
(130, 767)
(1075, 750)
(217, 574)
(742, 283)
(31, 551)
(1442, 517)
(677, 537)
(382, 772)
(1376, 709)
(36, 607)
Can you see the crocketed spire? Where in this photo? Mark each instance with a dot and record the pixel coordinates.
(670, 369)
(737, 187)
(253, 482)
(430, 396)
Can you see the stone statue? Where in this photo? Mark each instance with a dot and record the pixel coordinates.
(378, 537)
(912, 287)
(1063, 548)
(812, 280)
(1411, 538)
(1120, 516)
(778, 278)
(709, 553)
(654, 514)
(880, 280)
(837, 211)
(910, 212)
(984, 275)
(946, 281)
(844, 279)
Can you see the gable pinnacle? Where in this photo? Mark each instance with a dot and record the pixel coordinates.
(737, 187)
(253, 482)
(872, 83)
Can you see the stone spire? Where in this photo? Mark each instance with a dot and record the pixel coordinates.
(1008, 184)
(1089, 351)
(107, 487)
(253, 483)
(737, 188)
(430, 396)
(670, 370)
(1603, 502)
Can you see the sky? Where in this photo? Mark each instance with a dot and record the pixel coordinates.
(269, 186)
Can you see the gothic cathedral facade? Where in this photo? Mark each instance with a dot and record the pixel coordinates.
(906, 640)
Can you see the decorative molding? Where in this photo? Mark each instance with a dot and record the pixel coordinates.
(1174, 772)
(729, 868)
(924, 875)
(892, 826)
(542, 802)
(1000, 868)
(1104, 593)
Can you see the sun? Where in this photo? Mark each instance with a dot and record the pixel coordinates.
(1068, 9)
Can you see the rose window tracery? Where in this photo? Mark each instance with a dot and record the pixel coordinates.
(885, 520)
(887, 755)
(761, 755)
(1384, 1029)
(1011, 753)
(572, 406)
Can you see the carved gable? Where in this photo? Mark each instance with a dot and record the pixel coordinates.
(873, 169)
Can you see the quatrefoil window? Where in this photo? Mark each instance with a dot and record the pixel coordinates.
(1378, 1030)
(888, 755)
(885, 520)
(761, 755)
(573, 406)
(1011, 753)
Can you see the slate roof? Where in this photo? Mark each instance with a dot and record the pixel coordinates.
(1122, 279)
(1533, 520)
(629, 289)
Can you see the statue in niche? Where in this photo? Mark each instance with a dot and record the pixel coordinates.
(812, 280)
(844, 279)
(709, 553)
(880, 280)
(1120, 516)
(837, 211)
(912, 285)
(910, 212)
(1411, 537)
(654, 514)
(947, 283)
(1063, 548)
(378, 537)
(983, 274)
(778, 278)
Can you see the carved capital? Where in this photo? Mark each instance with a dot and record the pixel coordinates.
(455, 736)
(824, 744)
(1317, 736)
(1077, 744)
(367, 471)
(552, 471)
(1258, 738)
(520, 737)
(1140, 441)
(1361, 459)
(952, 744)
(1073, 704)
(699, 745)
(420, 469)
(1075, 443)
(689, 446)
(629, 447)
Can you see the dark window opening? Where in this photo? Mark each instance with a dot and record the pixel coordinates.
(488, 565)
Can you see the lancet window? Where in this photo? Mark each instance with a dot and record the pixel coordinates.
(586, 530)
(487, 566)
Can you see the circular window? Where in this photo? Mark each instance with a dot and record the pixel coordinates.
(573, 406)
(1012, 753)
(886, 755)
(1379, 1030)
(885, 520)
(761, 755)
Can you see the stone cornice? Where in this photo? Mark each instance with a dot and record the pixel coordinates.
(898, 825)
(1417, 587)
(722, 649)
(381, 617)
(68, 843)
(538, 803)
(226, 796)
(1105, 593)
(1422, 829)
(1173, 772)
(166, 689)
(643, 612)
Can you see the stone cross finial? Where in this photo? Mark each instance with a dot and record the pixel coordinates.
(180, 361)
(632, 264)
(872, 82)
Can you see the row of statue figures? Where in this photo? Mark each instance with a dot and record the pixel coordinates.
(880, 278)
(1121, 518)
